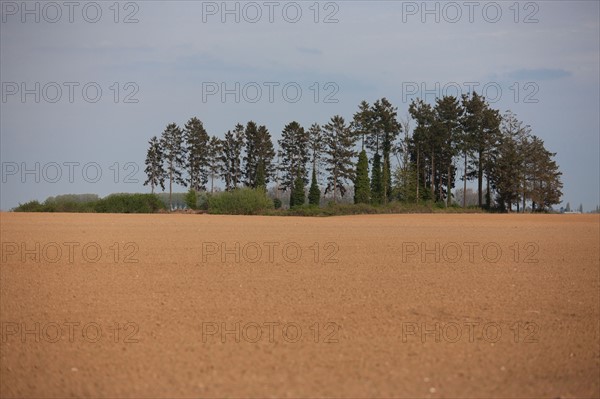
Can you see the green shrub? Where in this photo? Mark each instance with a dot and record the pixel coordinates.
(202, 201)
(129, 203)
(277, 203)
(191, 199)
(243, 201)
(31, 206)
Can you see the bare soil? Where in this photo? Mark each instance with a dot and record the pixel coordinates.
(181, 306)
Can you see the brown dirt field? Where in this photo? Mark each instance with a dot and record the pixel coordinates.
(392, 320)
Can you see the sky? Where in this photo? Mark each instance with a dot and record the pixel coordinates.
(85, 85)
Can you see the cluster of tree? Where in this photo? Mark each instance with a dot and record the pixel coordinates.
(91, 203)
(358, 156)
(190, 157)
(514, 162)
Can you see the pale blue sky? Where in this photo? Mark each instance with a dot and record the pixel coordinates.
(547, 71)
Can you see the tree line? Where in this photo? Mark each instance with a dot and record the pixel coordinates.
(376, 156)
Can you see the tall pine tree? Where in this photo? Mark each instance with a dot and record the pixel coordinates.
(250, 157)
(293, 155)
(174, 156)
(388, 128)
(339, 150)
(448, 113)
(482, 126)
(214, 160)
(231, 151)
(264, 155)
(196, 141)
(154, 165)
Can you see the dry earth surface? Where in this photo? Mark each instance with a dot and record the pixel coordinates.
(181, 306)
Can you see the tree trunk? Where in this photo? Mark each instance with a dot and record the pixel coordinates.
(171, 186)
(480, 180)
(449, 185)
(432, 188)
(440, 186)
(465, 183)
(424, 177)
(418, 177)
(335, 186)
(170, 194)
(488, 195)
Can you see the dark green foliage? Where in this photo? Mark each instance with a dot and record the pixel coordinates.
(387, 125)
(543, 182)
(259, 154)
(449, 136)
(171, 143)
(393, 207)
(196, 146)
(448, 113)
(31, 206)
(265, 154)
(155, 171)
(362, 123)
(298, 197)
(250, 157)
(406, 183)
(423, 146)
(315, 142)
(191, 199)
(129, 203)
(277, 203)
(114, 203)
(522, 168)
(231, 150)
(215, 148)
(293, 154)
(339, 151)
(314, 193)
(362, 185)
(261, 182)
(376, 183)
(243, 201)
(481, 124)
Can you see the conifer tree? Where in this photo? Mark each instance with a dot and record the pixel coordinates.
(314, 194)
(297, 197)
(293, 155)
(362, 185)
(376, 181)
(231, 150)
(214, 160)
(174, 156)
(196, 141)
(154, 165)
(339, 150)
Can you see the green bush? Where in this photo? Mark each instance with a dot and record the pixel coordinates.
(56, 206)
(129, 203)
(31, 206)
(243, 201)
(239, 202)
(191, 199)
(202, 201)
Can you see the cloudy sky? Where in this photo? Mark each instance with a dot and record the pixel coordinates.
(86, 84)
